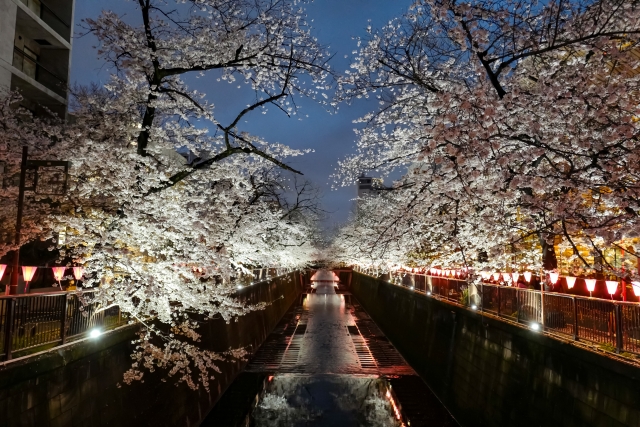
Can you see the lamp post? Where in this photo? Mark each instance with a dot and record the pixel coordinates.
(13, 288)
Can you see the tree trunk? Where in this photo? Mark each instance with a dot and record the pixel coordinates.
(549, 260)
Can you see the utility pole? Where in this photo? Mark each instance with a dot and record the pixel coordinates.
(13, 289)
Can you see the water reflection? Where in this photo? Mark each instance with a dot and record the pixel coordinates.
(325, 400)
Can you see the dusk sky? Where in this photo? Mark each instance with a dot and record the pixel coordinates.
(335, 24)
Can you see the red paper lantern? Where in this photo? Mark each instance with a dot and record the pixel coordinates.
(58, 272)
(28, 273)
(612, 287)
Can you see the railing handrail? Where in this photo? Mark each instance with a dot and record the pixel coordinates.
(47, 294)
(523, 289)
(614, 325)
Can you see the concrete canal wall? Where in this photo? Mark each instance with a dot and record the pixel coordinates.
(77, 384)
(491, 373)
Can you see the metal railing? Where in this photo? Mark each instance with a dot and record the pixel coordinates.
(32, 321)
(34, 69)
(613, 325)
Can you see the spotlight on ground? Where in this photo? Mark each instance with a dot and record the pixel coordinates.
(535, 327)
(428, 292)
(95, 333)
(474, 307)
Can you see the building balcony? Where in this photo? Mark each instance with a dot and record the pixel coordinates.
(33, 69)
(38, 84)
(56, 14)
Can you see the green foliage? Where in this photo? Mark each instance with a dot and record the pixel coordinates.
(608, 347)
(464, 297)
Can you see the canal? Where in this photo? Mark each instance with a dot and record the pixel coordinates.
(328, 364)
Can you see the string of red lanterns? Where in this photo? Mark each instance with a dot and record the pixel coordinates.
(553, 277)
(28, 272)
(512, 278)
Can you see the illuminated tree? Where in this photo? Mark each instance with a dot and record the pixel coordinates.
(167, 236)
(517, 120)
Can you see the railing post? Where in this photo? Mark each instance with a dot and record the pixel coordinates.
(63, 319)
(8, 328)
(517, 305)
(575, 318)
(618, 319)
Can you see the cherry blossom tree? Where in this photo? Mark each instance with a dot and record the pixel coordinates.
(515, 123)
(166, 236)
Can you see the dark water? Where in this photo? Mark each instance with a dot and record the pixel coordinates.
(324, 400)
(327, 364)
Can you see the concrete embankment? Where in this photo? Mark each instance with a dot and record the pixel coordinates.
(77, 384)
(491, 373)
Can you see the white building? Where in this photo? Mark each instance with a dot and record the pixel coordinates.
(35, 51)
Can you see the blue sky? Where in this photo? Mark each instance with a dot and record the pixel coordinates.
(335, 24)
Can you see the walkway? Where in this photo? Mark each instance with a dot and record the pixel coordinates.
(327, 364)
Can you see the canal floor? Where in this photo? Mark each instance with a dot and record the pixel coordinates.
(328, 364)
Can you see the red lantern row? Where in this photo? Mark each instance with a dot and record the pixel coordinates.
(58, 272)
